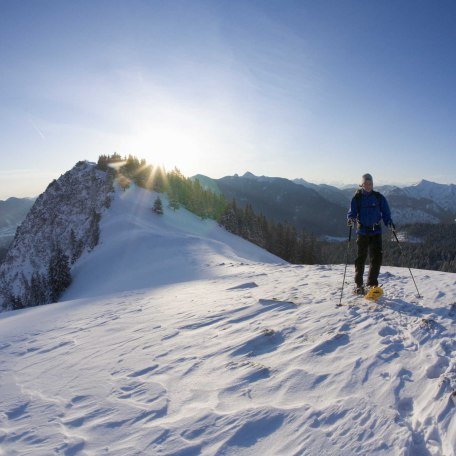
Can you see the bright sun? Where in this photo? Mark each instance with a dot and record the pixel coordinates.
(172, 135)
(170, 146)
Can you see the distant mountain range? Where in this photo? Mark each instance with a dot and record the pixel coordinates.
(322, 208)
(12, 212)
(283, 200)
(317, 208)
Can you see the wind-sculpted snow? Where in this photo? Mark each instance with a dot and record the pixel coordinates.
(66, 216)
(219, 366)
(179, 338)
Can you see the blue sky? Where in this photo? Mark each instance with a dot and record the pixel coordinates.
(323, 90)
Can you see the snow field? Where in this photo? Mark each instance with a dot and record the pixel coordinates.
(177, 338)
(259, 361)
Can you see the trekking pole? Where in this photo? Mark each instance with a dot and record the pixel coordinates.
(346, 262)
(393, 229)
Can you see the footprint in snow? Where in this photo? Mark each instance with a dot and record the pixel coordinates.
(452, 311)
(403, 376)
(387, 331)
(392, 349)
(448, 346)
(438, 367)
(405, 406)
(418, 445)
(426, 329)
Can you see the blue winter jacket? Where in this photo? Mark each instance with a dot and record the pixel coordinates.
(372, 211)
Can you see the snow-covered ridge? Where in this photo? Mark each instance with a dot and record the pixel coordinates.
(255, 360)
(67, 215)
(139, 248)
(426, 202)
(444, 195)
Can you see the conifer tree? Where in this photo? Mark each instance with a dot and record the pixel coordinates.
(16, 303)
(38, 289)
(159, 180)
(158, 206)
(73, 246)
(93, 232)
(229, 218)
(173, 199)
(59, 276)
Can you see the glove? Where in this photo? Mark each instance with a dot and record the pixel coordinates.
(351, 222)
(390, 225)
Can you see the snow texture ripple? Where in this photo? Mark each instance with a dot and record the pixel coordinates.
(221, 350)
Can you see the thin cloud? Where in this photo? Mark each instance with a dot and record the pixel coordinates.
(35, 127)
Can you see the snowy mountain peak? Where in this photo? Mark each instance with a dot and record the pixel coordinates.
(426, 183)
(65, 218)
(442, 194)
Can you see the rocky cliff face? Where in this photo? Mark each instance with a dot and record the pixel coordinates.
(63, 222)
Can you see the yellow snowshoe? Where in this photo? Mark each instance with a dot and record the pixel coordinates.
(374, 293)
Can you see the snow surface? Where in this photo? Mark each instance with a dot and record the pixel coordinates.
(220, 350)
(140, 249)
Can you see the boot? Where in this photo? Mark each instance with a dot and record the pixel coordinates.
(359, 290)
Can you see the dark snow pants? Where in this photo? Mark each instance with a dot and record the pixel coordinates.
(373, 245)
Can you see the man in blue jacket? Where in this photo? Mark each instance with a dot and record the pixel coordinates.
(368, 208)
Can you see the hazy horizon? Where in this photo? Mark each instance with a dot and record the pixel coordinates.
(27, 174)
(323, 91)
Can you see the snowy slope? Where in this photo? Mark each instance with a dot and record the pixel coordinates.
(140, 249)
(203, 344)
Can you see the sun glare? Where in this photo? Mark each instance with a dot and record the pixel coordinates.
(169, 146)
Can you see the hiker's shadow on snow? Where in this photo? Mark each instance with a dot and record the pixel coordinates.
(415, 309)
